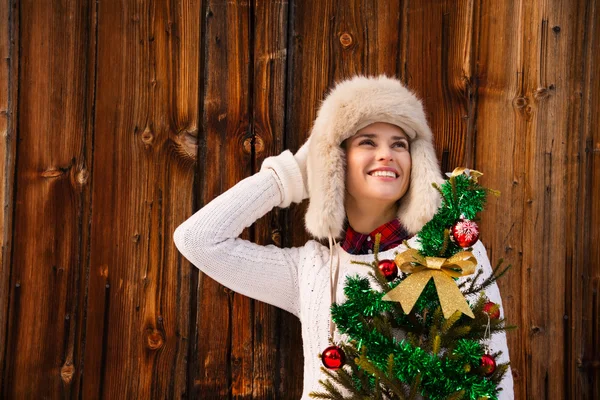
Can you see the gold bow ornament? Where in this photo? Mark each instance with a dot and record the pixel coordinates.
(442, 270)
(471, 173)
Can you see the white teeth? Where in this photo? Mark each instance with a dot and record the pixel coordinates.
(384, 173)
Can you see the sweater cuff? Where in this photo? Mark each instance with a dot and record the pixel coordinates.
(289, 174)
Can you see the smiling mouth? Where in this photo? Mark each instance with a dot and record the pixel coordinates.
(383, 174)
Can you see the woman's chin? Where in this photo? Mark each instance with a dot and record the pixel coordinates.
(383, 199)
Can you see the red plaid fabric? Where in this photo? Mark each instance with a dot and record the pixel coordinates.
(392, 235)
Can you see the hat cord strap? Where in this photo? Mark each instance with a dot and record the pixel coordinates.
(333, 281)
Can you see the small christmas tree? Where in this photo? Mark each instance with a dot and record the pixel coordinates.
(427, 340)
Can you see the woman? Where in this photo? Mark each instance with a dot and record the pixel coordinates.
(367, 168)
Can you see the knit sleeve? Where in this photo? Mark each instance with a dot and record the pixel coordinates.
(498, 340)
(209, 239)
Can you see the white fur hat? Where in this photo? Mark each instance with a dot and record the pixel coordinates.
(350, 106)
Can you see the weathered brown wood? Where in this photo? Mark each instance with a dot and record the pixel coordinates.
(439, 68)
(542, 138)
(47, 214)
(365, 38)
(583, 301)
(102, 107)
(138, 299)
(528, 109)
(309, 45)
(499, 101)
(223, 358)
(270, 22)
(8, 97)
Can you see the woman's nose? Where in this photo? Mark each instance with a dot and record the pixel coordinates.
(384, 153)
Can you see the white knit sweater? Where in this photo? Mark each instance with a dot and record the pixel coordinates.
(294, 279)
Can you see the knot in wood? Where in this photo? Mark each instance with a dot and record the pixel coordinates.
(346, 40)
(186, 144)
(154, 340)
(516, 374)
(259, 145)
(82, 176)
(541, 93)
(147, 136)
(66, 372)
(247, 145)
(276, 237)
(520, 102)
(52, 173)
(536, 330)
(556, 29)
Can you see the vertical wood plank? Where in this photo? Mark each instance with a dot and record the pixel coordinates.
(583, 301)
(9, 46)
(73, 368)
(177, 38)
(225, 320)
(48, 207)
(269, 78)
(500, 101)
(366, 38)
(547, 84)
(144, 150)
(439, 67)
(239, 34)
(528, 115)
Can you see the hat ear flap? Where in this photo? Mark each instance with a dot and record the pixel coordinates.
(326, 171)
(422, 200)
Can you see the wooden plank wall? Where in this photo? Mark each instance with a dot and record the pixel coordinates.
(119, 119)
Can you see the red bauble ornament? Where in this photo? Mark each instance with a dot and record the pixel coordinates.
(492, 309)
(488, 364)
(333, 357)
(465, 233)
(389, 269)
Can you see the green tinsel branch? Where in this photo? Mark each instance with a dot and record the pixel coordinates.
(461, 196)
(497, 273)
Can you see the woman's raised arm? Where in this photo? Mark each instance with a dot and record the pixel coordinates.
(209, 238)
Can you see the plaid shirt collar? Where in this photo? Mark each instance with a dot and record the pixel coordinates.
(392, 235)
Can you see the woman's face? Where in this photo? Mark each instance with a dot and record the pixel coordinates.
(378, 164)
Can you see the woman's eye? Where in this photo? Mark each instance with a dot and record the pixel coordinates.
(367, 142)
(402, 145)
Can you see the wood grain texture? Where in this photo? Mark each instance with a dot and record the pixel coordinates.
(529, 115)
(583, 301)
(225, 322)
(118, 120)
(273, 352)
(138, 296)
(439, 67)
(47, 200)
(8, 97)
(499, 103)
